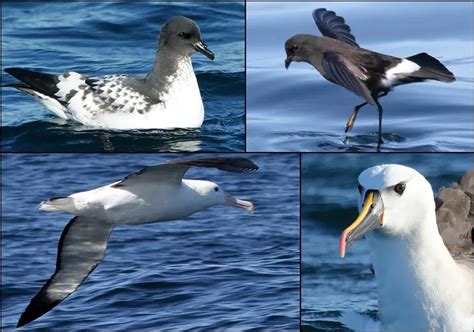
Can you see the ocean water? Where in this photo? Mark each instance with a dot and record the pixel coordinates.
(332, 286)
(298, 110)
(119, 38)
(222, 268)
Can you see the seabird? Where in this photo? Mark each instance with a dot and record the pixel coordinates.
(167, 97)
(369, 74)
(154, 194)
(421, 287)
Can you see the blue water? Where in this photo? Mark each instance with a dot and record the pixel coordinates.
(220, 268)
(119, 38)
(298, 110)
(331, 285)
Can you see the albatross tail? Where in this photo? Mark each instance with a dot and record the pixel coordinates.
(56, 204)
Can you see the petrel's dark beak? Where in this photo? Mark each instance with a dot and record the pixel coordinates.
(288, 61)
(201, 47)
(370, 218)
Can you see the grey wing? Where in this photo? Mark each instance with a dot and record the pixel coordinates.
(159, 173)
(236, 165)
(340, 71)
(174, 170)
(81, 248)
(333, 26)
(455, 217)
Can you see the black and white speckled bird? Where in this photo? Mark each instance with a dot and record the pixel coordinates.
(168, 97)
(369, 74)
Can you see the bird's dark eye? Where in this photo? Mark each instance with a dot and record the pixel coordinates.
(184, 35)
(400, 188)
(361, 189)
(216, 188)
(295, 48)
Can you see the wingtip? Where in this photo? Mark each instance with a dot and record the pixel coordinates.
(12, 70)
(23, 320)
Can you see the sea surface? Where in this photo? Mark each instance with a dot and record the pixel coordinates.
(298, 110)
(333, 287)
(119, 38)
(222, 268)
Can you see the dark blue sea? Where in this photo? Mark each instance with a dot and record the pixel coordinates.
(332, 286)
(119, 38)
(222, 268)
(298, 110)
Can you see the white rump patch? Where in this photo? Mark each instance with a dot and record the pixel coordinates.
(401, 70)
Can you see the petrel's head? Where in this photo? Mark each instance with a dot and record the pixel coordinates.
(298, 48)
(212, 194)
(394, 199)
(183, 36)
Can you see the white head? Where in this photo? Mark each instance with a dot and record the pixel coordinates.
(394, 199)
(213, 194)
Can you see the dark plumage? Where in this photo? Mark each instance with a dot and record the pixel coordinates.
(371, 75)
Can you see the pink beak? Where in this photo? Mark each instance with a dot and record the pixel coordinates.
(246, 205)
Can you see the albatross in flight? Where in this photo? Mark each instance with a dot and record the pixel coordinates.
(421, 287)
(167, 97)
(154, 194)
(369, 74)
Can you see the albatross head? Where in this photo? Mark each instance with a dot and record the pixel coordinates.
(215, 195)
(394, 199)
(183, 36)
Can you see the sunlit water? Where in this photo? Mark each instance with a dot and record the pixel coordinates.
(220, 268)
(119, 38)
(298, 110)
(332, 286)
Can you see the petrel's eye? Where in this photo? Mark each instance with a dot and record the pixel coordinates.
(400, 188)
(295, 47)
(361, 189)
(184, 35)
(216, 188)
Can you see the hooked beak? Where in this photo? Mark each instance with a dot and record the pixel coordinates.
(370, 218)
(246, 205)
(288, 61)
(201, 47)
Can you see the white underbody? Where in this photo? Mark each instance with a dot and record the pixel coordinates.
(181, 105)
(420, 286)
(137, 204)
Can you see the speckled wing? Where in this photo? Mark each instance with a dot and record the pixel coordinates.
(174, 170)
(99, 95)
(82, 98)
(81, 248)
(114, 94)
(333, 26)
(455, 217)
(339, 70)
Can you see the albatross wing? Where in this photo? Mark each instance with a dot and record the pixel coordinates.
(81, 248)
(174, 170)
